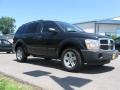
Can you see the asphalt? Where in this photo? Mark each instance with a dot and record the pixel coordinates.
(50, 74)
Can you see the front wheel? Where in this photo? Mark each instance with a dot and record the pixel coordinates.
(72, 60)
(20, 55)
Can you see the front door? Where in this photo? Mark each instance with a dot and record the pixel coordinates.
(50, 35)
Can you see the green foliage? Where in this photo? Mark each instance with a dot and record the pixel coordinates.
(9, 84)
(7, 25)
(114, 37)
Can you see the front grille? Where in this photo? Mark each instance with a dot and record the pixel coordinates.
(105, 47)
(103, 41)
(106, 44)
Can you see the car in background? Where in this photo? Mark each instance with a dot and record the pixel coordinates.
(117, 44)
(5, 46)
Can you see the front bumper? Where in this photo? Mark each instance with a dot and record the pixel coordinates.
(99, 57)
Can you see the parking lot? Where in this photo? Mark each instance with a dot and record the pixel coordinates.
(50, 74)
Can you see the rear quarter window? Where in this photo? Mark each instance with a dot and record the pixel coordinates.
(32, 28)
(21, 30)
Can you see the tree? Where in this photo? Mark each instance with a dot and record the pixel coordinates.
(7, 25)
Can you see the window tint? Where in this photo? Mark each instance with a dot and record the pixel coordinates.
(69, 27)
(47, 26)
(32, 28)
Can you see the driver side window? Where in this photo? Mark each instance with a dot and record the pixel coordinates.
(48, 26)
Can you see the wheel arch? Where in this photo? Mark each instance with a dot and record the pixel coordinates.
(70, 44)
(20, 43)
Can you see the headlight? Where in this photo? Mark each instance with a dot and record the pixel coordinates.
(92, 44)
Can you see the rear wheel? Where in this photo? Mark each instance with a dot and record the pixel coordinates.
(20, 55)
(72, 60)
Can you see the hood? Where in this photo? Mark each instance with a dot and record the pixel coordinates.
(86, 35)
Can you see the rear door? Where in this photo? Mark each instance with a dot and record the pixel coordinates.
(33, 39)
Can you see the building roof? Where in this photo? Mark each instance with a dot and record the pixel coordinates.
(115, 20)
(108, 21)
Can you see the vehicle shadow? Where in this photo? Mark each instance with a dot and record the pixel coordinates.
(96, 69)
(64, 82)
(69, 81)
(46, 63)
(58, 65)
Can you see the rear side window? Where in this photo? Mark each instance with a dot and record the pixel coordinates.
(32, 28)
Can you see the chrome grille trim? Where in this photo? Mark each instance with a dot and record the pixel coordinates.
(108, 45)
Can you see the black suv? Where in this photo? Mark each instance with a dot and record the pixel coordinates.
(60, 40)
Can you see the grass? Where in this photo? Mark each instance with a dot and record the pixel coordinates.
(10, 84)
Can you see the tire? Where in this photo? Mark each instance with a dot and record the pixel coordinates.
(20, 55)
(71, 60)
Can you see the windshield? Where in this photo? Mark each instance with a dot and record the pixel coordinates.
(69, 27)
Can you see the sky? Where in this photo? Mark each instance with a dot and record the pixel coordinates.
(72, 11)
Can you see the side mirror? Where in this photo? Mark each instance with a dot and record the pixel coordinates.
(53, 30)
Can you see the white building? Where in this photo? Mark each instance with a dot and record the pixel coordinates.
(104, 27)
